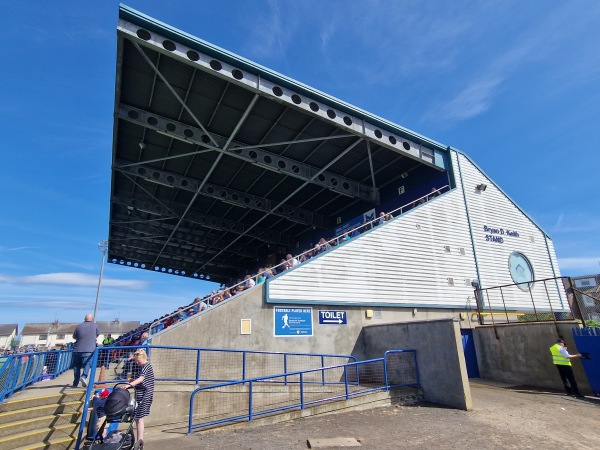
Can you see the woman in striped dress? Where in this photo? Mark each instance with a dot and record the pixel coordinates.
(144, 393)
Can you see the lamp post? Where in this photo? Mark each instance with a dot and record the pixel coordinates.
(103, 247)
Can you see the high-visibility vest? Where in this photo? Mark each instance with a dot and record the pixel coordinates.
(557, 357)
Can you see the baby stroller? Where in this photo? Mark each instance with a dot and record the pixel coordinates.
(119, 407)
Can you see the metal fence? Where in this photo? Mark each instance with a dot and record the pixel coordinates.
(536, 301)
(200, 365)
(260, 396)
(23, 369)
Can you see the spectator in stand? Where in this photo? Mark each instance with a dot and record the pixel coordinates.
(380, 220)
(434, 193)
(355, 232)
(226, 294)
(322, 246)
(260, 277)
(290, 262)
(306, 256)
(181, 314)
(388, 217)
(199, 305)
(247, 284)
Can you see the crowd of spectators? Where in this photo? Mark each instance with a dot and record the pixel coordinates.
(263, 273)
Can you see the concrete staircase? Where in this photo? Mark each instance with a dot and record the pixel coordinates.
(43, 422)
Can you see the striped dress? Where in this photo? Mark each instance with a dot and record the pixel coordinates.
(144, 392)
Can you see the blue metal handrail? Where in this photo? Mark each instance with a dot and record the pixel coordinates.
(302, 383)
(241, 373)
(24, 369)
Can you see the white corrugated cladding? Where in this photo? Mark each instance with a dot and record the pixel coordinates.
(423, 258)
(491, 209)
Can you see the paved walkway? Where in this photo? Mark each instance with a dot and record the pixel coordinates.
(504, 416)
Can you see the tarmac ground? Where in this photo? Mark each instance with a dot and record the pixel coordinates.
(504, 416)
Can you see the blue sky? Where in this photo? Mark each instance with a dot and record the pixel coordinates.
(515, 85)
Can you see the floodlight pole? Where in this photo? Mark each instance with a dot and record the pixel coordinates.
(103, 247)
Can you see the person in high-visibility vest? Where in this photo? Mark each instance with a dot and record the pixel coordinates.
(562, 360)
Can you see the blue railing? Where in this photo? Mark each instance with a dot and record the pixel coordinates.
(300, 389)
(23, 369)
(201, 365)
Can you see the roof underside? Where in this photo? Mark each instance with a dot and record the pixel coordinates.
(216, 161)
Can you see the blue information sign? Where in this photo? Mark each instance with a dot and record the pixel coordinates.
(333, 317)
(292, 321)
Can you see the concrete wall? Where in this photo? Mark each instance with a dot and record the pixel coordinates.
(440, 358)
(438, 343)
(520, 354)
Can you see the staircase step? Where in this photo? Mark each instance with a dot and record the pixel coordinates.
(61, 432)
(40, 411)
(69, 396)
(37, 423)
(51, 444)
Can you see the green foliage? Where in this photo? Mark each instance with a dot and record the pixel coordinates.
(592, 324)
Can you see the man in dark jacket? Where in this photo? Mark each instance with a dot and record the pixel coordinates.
(85, 336)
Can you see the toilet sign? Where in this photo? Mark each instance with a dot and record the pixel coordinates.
(332, 318)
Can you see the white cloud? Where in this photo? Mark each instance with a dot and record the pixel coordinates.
(73, 279)
(582, 266)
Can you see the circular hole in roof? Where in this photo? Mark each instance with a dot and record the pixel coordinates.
(129, 263)
(170, 127)
(156, 268)
(301, 215)
(113, 260)
(121, 262)
(133, 114)
(235, 197)
(176, 272)
(205, 138)
(170, 270)
(277, 91)
(253, 154)
(156, 175)
(267, 159)
(237, 74)
(314, 106)
(295, 168)
(223, 194)
(247, 200)
(379, 134)
(406, 145)
(259, 204)
(296, 99)
(195, 275)
(169, 45)
(321, 177)
(333, 181)
(215, 65)
(141, 171)
(143, 34)
(143, 266)
(170, 178)
(188, 133)
(291, 213)
(162, 269)
(183, 272)
(210, 190)
(392, 140)
(237, 151)
(152, 121)
(280, 210)
(208, 277)
(346, 185)
(194, 56)
(282, 164)
(184, 183)
(135, 264)
(347, 120)
(331, 113)
(202, 275)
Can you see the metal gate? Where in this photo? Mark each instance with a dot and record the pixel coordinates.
(587, 341)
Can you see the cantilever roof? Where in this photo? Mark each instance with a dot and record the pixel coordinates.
(219, 162)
